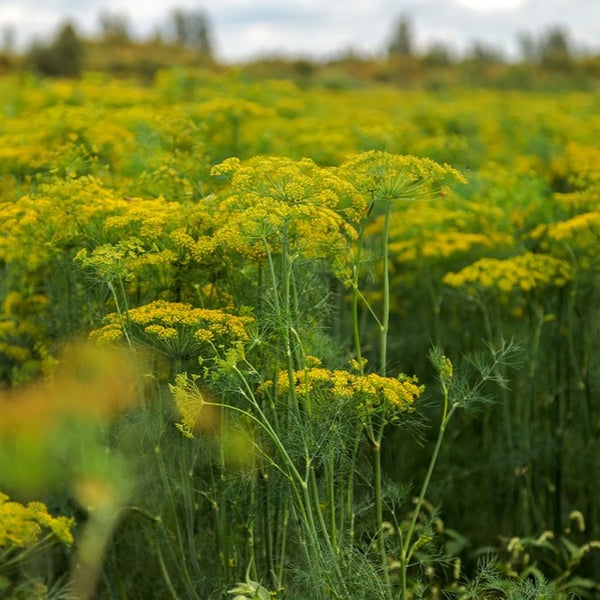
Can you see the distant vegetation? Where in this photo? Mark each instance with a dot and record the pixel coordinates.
(550, 59)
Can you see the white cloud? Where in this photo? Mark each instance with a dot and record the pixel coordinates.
(491, 5)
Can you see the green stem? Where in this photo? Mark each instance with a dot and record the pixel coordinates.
(164, 571)
(408, 549)
(283, 317)
(188, 501)
(157, 521)
(122, 312)
(350, 488)
(331, 499)
(313, 504)
(282, 541)
(355, 296)
(176, 525)
(287, 322)
(385, 321)
(379, 512)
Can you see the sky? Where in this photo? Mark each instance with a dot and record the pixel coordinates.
(320, 29)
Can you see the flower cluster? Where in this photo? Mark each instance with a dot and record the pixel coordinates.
(22, 334)
(444, 245)
(574, 239)
(524, 272)
(383, 177)
(573, 229)
(59, 215)
(273, 201)
(23, 526)
(372, 393)
(178, 327)
(579, 165)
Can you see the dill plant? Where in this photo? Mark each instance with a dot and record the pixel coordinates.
(386, 180)
(315, 443)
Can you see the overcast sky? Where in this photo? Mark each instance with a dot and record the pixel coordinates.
(245, 29)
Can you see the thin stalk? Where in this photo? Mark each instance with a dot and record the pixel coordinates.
(370, 309)
(379, 511)
(163, 570)
(385, 320)
(177, 529)
(302, 538)
(251, 530)
(273, 279)
(350, 488)
(331, 499)
(407, 550)
(122, 313)
(316, 507)
(294, 310)
(293, 475)
(355, 296)
(268, 523)
(161, 561)
(283, 318)
(506, 414)
(312, 483)
(282, 542)
(188, 501)
(286, 293)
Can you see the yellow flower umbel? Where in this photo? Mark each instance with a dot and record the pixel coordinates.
(273, 201)
(372, 393)
(524, 273)
(579, 165)
(574, 240)
(442, 245)
(25, 526)
(179, 329)
(383, 177)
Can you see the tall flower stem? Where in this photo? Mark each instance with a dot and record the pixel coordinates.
(355, 298)
(385, 319)
(408, 548)
(378, 439)
(282, 313)
(379, 511)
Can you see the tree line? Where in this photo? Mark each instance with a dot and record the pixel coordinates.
(65, 54)
(186, 39)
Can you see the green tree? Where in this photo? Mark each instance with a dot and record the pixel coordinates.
(484, 53)
(438, 54)
(555, 49)
(192, 29)
(114, 27)
(62, 58)
(401, 42)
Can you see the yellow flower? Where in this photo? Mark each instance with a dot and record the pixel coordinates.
(524, 272)
(579, 165)
(371, 392)
(178, 327)
(23, 526)
(382, 177)
(273, 201)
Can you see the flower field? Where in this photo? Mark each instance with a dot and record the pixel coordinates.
(262, 341)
